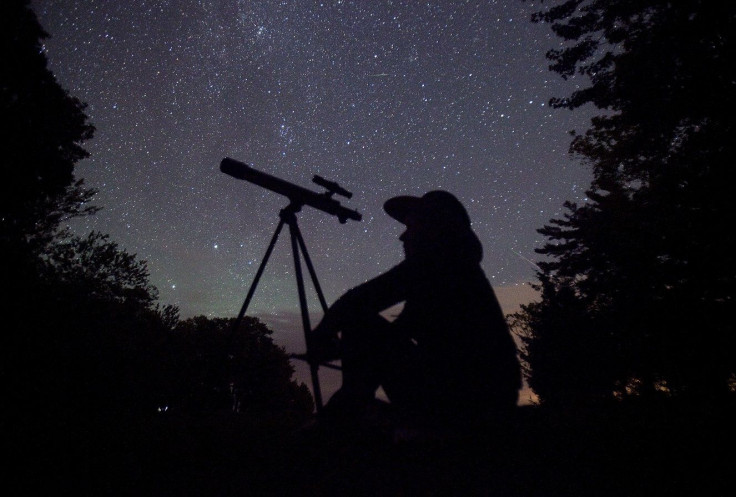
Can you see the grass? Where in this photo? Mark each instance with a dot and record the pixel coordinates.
(623, 450)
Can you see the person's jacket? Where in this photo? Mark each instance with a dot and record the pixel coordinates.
(452, 314)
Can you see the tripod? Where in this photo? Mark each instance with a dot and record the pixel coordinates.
(288, 216)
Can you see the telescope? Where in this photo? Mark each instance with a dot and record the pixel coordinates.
(297, 195)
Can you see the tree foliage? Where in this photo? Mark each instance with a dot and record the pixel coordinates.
(43, 131)
(83, 330)
(215, 367)
(637, 282)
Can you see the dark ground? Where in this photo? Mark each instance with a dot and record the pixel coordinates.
(625, 450)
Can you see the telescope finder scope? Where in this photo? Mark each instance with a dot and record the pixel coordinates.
(331, 186)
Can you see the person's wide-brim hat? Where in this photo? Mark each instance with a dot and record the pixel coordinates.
(437, 205)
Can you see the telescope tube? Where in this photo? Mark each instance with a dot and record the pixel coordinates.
(295, 193)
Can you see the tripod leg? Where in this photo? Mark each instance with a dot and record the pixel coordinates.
(310, 267)
(313, 366)
(253, 285)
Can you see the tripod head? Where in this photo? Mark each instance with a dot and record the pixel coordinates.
(298, 195)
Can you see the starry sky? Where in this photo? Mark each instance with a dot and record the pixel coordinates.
(385, 97)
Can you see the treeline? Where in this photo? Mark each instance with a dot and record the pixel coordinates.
(637, 282)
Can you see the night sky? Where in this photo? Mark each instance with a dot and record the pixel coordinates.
(385, 97)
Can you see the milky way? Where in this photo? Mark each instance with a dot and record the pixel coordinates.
(384, 97)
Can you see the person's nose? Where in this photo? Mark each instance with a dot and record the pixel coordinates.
(402, 237)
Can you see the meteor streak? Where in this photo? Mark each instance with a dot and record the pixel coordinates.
(527, 260)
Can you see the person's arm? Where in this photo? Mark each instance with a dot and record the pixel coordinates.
(365, 300)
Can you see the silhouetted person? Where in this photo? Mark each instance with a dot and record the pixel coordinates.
(449, 356)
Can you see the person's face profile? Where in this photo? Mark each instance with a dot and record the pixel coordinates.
(418, 234)
(409, 238)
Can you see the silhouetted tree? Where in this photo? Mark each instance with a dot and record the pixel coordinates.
(88, 337)
(56, 283)
(213, 368)
(637, 286)
(82, 369)
(78, 310)
(43, 129)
